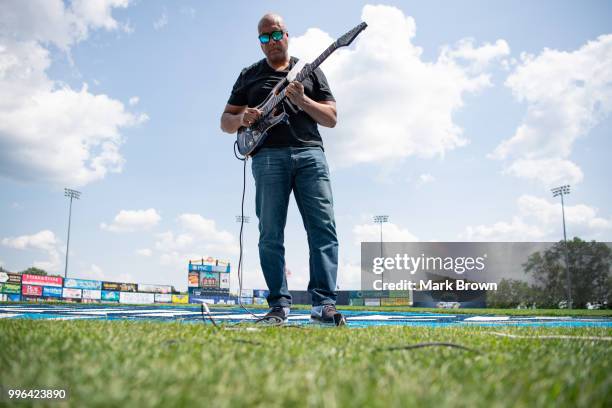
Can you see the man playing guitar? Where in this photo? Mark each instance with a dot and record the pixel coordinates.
(291, 158)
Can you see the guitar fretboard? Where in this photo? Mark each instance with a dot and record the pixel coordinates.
(303, 74)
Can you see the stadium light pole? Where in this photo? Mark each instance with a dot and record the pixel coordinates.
(381, 219)
(73, 194)
(561, 191)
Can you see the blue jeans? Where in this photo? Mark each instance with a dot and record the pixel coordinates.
(303, 170)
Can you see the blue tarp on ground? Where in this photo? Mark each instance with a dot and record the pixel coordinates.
(236, 314)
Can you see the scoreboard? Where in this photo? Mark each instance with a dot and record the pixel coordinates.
(208, 280)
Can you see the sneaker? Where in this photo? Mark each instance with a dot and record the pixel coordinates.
(327, 314)
(276, 316)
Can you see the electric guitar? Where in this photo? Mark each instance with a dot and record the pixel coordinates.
(250, 138)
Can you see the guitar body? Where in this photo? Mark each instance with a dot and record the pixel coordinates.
(250, 138)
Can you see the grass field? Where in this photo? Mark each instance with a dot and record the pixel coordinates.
(127, 363)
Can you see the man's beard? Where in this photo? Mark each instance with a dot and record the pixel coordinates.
(277, 57)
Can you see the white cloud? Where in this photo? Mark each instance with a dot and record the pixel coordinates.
(349, 276)
(188, 11)
(43, 241)
(204, 228)
(550, 172)
(93, 272)
(124, 277)
(50, 132)
(579, 215)
(408, 110)
(567, 94)
(195, 237)
(161, 22)
(134, 100)
(477, 58)
(540, 219)
(391, 233)
(144, 252)
(51, 21)
(425, 178)
(516, 230)
(133, 220)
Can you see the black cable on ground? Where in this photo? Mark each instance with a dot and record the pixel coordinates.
(428, 344)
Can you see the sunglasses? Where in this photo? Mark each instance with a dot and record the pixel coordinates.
(264, 38)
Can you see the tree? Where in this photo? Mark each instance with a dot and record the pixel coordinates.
(38, 271)
(35, 271)
(511, 293)
(589, 266)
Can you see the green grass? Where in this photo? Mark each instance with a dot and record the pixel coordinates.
(127, 363)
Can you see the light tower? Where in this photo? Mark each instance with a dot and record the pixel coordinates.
(381, 219)
(561, 191)
(76, 195)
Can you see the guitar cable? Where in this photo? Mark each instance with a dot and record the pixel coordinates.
(244, 160)
(204, 307)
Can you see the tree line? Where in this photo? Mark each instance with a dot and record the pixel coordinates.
(30, 271)
(589, 268)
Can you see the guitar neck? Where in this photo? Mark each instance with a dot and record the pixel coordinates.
(303, 74)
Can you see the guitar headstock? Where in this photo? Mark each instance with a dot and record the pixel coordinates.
(348, 38)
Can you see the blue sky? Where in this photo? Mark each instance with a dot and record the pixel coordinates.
(455, 119)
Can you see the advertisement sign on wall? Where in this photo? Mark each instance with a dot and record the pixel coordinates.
(92, 294)
(128, 287)
(136, 297)
(208, 292)
(8, 277)
(82, 283)
(119, 286)
(110, 295)
(31, 290)
(261, 293)
(395, 302)
(10, 288)
(27, 279)
(183, 299)
(371, 302)
(163, 298)
(72, 293)
(246, 293)
(193, 279)
(143, 287)
(52, 291)
(111, 286)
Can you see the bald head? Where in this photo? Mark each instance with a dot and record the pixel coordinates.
(276, 51)
(271, 19)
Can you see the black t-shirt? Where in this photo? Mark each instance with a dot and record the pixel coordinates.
(255, 83)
